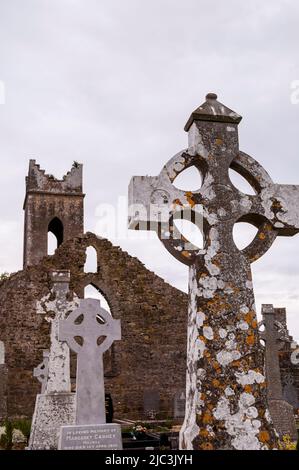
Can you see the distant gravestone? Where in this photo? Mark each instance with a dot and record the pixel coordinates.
(151, 403)
(289, 391)
(180, 404)
(290, 395)
(90, 331)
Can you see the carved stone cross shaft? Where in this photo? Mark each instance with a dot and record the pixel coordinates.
(42, 370)
(55, 307)
(90, 331)
(225, 391)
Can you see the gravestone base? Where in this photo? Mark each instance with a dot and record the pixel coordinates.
(91, 437)
(51, 412)
(282, 415)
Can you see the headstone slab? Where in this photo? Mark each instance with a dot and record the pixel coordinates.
(282, 415)
(180, 404)
(91, 437)
(51, 413)
(151, 401)
(290, 395)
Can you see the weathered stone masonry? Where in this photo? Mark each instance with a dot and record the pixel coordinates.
(145, 304)
(153, 314)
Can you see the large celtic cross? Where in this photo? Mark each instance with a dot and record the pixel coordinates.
(89, 331)
(225, 390)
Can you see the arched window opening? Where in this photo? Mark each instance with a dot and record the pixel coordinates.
(55, 235)
(91, 264)
(91, 292)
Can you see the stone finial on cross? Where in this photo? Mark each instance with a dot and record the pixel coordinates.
(226, 400)
(42, 370)
(89, 331)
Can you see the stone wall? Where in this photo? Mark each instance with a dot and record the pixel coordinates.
(153, 316)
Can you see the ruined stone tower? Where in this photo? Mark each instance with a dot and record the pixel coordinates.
(51, 205)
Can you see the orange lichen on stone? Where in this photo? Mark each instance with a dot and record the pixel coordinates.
(264, 436)
(216, 366)
(262, 236)
(236, 363)
(219, 141)
(249, 317)
(203, 433)
(177, 202)
(207, 446)
(190, 199)
(186, 254)
(248, 388)
(207, 418)
(250, 340)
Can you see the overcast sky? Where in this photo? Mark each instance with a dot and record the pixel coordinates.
(111, 83)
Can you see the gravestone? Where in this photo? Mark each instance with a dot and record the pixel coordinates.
(290, 395)
(226, 398)
(180, 404)
(289, 391)
(55, 406)
(282, 413)
(89, 331)
(151, 403)
(41, 372)
(3, 382)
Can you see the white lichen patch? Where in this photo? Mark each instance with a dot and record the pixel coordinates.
(200, 345)
(208, 332)
(242, 325)
(200, 318)
(229, 392)
(201, 374)
(222, 333)
(221, 212)
(246, 203)
(252, 412)
(226, 357)
(249, 285)
(246, 399)
(178, 248)
(242, 426)
(249, 378)
(244, 309)
(230, 344)
(195, 144)
(207, 190)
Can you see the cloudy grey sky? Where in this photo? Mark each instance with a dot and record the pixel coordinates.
(111, 83)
